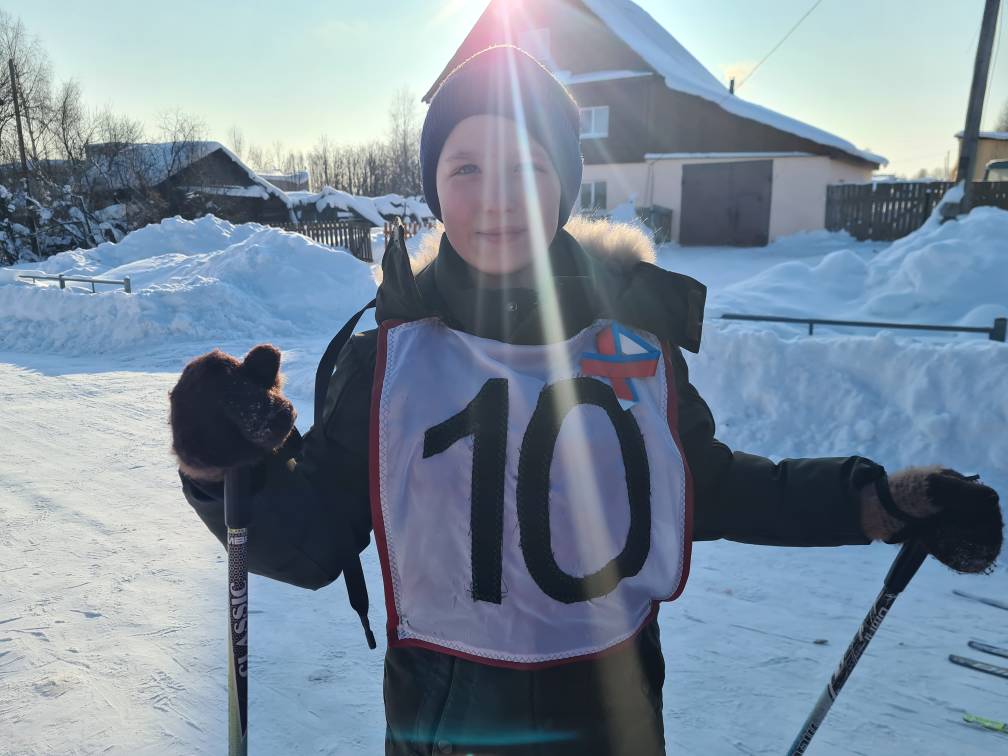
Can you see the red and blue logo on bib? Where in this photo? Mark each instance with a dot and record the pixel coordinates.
(622, 356)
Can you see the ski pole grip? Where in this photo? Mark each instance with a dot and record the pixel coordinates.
(236, 486)
(911, 557)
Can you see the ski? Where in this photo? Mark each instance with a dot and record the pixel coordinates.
(982, 599)
(989, 724)
(987, 648)
(990, 669)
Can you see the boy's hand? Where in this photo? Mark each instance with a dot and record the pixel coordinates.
(226, 413)
(958, 518)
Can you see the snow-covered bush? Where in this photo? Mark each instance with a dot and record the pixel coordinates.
(60, 219)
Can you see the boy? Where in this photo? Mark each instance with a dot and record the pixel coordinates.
(523, 439)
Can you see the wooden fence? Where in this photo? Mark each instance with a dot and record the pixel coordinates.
(884, 212)
(355, 237)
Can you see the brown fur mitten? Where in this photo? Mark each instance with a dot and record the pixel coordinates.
(958, 518)
(226, 413)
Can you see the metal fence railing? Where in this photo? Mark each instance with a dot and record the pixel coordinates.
(125, 282)
(997, 332)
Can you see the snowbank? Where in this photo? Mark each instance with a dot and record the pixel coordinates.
(896, 400)
(191, 280)
(952, 273)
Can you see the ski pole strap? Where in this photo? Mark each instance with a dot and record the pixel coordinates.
(353, 573)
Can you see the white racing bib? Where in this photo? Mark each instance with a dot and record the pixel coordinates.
(531, 504)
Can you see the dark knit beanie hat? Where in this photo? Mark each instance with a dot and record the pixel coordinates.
(505, 80)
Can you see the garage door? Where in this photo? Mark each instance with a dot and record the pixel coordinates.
(726, 203)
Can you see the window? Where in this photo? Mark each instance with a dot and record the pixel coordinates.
(595, 122)
(593, 195)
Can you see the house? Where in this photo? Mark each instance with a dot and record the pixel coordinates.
(992, 147)
(192, 177)
(659, 129)
(295, 181)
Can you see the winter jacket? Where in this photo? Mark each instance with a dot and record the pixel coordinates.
(312, 514)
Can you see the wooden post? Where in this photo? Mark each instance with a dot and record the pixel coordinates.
(24, 161)
(981, 70)
(1000, 329)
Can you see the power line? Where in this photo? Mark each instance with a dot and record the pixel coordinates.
(783, 40)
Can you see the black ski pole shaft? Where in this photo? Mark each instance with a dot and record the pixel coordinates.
(907, 562)
(236, 520)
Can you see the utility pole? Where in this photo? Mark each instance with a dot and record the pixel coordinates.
(981, 70)
(24, 161)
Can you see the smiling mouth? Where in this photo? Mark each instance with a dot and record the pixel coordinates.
(503, 234)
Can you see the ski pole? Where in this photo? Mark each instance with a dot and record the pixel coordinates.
(909, 559)
(236, 519)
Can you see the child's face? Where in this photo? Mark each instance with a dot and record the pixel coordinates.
(500, 199)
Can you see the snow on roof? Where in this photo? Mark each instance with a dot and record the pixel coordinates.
(294, 177)
(567, 78)
(418, 207)
(987, 135)
(723, 155)
(374, 209)
(396, 204)
(340, 200)
(152, 163)
(684, 73)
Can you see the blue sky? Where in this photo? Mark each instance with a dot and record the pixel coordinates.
(889, 75)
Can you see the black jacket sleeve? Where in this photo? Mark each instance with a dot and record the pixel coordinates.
(747, 498)
(309, 500)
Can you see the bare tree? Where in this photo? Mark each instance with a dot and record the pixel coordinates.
(1002, 120)
(236, 140)
(404, 142)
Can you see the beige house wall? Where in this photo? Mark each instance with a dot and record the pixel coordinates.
(987, 150)
(798, 198)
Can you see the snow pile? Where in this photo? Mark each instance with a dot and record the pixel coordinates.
(896, 400)
(951, 274)
(191, 280)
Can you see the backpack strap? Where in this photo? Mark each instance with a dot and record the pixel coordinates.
(329, 357)
(353, 573)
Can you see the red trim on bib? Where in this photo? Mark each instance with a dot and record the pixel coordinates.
(673, 421)
(527, 666)
(377, 520)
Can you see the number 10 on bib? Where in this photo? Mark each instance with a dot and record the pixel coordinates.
(531, 504)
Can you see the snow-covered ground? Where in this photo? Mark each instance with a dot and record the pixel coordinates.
(111, 632)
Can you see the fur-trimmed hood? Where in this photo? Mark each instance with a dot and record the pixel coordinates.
(600, 269)
(603, 238)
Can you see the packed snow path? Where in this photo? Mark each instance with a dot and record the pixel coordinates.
(112, 635)
(112, 638)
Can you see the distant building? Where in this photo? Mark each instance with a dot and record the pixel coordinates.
(297, 181)
(992, 147)
(659, 127)
(192, 177)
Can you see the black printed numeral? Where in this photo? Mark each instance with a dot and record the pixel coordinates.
(485, 419)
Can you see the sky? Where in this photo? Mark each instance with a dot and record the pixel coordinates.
(892, 76)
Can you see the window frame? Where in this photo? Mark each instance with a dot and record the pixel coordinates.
(595, 132)
(594, 195)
